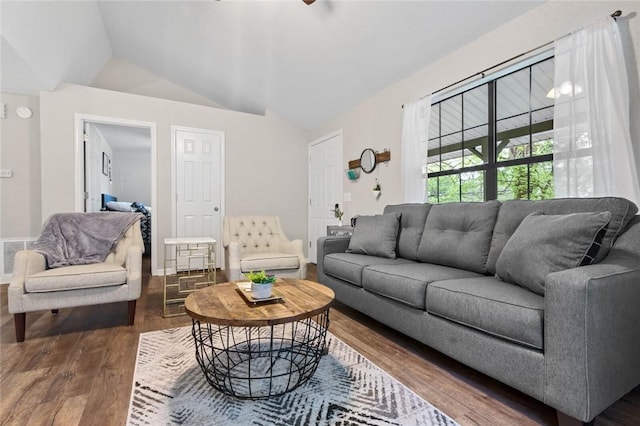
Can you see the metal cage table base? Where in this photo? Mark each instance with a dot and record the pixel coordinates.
(260, 362)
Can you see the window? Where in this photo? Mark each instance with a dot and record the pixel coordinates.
(494, 140)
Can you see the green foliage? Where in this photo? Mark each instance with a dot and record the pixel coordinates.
(337, 212)
(513, 183)
(533, 181)
(260, 277)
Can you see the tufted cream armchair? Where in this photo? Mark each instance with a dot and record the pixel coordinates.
(33, 287)
(255, 243)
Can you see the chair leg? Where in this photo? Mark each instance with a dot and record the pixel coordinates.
(20, 321)
(131, 311)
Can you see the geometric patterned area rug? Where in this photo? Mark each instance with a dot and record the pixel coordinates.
(347, 389)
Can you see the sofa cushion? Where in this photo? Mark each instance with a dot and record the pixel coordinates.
(408, 283)
(348, 266)
(76, 277)
(412, 222)
(492, 306)
(514, 211)
(550, 243)
(272, 261)
(459, 235)
(375, 235)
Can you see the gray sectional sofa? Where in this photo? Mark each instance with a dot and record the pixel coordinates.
(541, 295)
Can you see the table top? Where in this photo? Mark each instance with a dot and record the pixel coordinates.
(222, 304)
(189, 240)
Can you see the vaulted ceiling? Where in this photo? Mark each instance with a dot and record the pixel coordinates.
(305, 63)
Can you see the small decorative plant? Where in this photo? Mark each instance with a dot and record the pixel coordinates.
(337, 212)
(260, 277)
(376, 190)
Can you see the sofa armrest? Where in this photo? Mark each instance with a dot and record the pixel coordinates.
(133, 264)
(592, 338)
(25, 264)
(327, 245)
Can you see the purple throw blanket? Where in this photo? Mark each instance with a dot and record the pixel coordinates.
(82, 238)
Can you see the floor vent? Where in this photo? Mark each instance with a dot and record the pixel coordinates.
(8, 249)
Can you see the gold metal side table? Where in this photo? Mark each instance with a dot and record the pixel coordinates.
(189, 264)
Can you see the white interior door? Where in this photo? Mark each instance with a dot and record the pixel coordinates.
(325, 187)
(199, 185)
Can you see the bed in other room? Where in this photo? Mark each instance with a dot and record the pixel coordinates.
(111, 203)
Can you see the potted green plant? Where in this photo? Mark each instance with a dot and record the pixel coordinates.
(376, 190)
(337, 213)
(261, 284)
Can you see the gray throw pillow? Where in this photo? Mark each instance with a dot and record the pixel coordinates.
(375, 235)
(549, 243)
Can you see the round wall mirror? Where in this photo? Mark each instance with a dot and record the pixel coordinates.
(368, 160)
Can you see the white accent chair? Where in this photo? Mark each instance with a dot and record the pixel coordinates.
(33, 287)
(256, 243)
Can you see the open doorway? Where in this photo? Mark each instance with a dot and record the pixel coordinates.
(116, 170)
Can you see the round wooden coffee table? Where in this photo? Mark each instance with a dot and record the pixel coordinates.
(252, 349)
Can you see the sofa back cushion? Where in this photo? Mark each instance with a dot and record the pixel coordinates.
(629, 241)
(254, 234)
(459, 235)
(412, 223)
(514, 211)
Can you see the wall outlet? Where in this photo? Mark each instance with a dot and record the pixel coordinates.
(346, 196)
(4, 173)
(3, 110)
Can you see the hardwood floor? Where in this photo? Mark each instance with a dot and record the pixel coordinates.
(75, 368)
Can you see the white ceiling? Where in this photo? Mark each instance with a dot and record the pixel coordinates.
(125, 138)
(304, 63)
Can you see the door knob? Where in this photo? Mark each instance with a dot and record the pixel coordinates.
(215, 209)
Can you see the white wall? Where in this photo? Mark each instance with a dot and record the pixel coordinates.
(377, 122)
(265, 157)
(123, 76)
(20, 152)
(132, 176)
(105, 185)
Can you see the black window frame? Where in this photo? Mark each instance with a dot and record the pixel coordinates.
(490, 168)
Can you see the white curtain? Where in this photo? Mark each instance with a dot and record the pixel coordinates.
(415, 132)
(593, 151)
